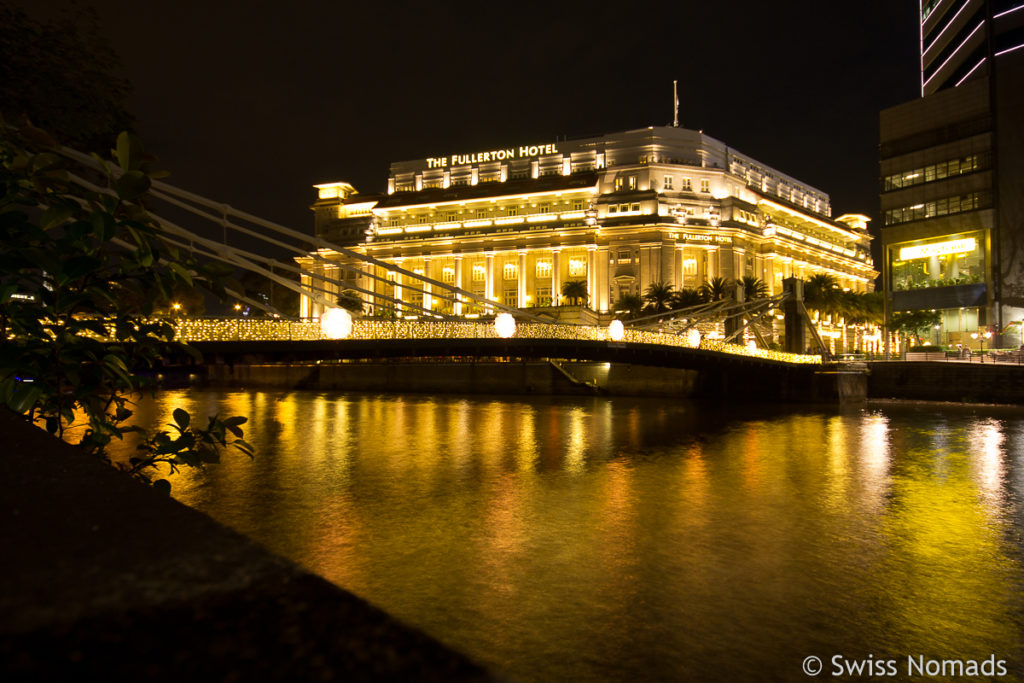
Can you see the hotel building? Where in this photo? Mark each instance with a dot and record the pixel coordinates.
(617, 213)
(952, 167)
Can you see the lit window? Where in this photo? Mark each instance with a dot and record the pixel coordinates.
(577, 267)
(687, 185)
(624, 256)
(510, 271)
(668, 182)
(705, 186)
(543, 268)
(632, 182)
(448, 274)
(478, 272)
(690, 266)
(419, 271)
(510, 297)
(618, 184)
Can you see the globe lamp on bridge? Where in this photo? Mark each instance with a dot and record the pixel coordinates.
(504, 325)
(616, 331)
(336, 323)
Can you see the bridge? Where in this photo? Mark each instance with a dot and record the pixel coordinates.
(713, 368)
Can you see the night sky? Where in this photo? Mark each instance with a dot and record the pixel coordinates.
(251, 103)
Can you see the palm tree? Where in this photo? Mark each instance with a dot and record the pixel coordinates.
(350, 300)
(575, 291)
(631, 303)
(658, 296)
(716, 289)
(685, 298)
(753, 287)
(822, 293)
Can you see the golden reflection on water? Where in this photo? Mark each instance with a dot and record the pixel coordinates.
(558, 538)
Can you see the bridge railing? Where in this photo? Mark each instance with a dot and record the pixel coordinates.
(270, 329)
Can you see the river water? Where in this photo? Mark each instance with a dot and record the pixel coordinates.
(619, 539)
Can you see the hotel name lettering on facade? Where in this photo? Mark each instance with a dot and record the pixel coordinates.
(522, 152)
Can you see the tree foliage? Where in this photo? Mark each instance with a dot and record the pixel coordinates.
(351, 300)
(575, 291)
(658, 296)
(82, 264)
(716, 289)
(62, 77)
(912, 323)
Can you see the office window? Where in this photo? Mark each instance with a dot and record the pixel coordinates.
(543, 268)
(510, 271)
(577, 266)
(668, 182)
(705, 186)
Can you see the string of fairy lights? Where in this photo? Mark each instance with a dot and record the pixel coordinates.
(504, 326)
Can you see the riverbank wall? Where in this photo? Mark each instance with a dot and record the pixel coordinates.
(829, 384)
(947, 381)
(107, 579)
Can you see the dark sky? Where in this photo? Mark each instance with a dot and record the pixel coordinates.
(251, 103)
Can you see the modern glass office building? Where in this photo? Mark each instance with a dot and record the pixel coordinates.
(952, 167)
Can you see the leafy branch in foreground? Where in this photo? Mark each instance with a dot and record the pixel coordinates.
(82, 264)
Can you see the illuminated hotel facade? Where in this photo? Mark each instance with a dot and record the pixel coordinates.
(618, 212)
(952, 167)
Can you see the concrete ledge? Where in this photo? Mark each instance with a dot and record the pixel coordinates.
(106, 579)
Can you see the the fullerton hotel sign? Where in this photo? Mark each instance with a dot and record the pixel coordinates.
(523, 152)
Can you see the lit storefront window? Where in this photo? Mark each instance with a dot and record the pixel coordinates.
(941, 262)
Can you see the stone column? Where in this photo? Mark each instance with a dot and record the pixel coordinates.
(458, 283)
(592, 277)
(305, 303)
(426, 285)
(398, 290)
(601, 279)
(521, 277)
(556, 279)
(489, 283)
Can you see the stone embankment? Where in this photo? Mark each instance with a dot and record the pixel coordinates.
(947, 381)
(104, 579)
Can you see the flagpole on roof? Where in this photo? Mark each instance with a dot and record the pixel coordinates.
(675, 97)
